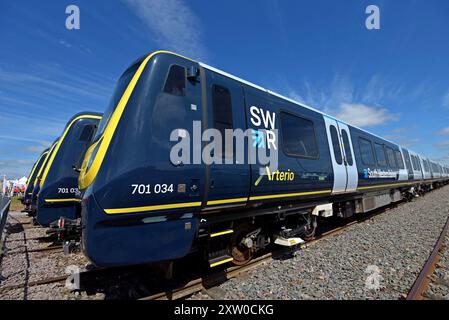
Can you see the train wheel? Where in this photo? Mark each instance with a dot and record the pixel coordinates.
(310, 232)
(241, 251)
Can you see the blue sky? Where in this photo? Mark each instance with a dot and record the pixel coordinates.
(393, 81)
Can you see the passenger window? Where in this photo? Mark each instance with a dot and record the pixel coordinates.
(391, 158)
(399, 160)
(336, 145)
(380, 155)
(298, 136)
(347, 148)
(176, 81)
(415, 163)
(88, 133)
(222, 113)
(366, 149)
(407, 160)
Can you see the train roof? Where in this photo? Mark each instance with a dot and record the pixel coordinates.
(287, 99)
(83, 113)
(231, 76)
(295, 102)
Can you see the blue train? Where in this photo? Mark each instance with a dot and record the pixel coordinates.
(139, 206)
(31, 179)
(31, 208)
(56, 192)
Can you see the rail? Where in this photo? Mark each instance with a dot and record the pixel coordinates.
(5, 202)
(422, 282)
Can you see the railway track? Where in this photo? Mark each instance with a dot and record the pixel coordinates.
(58, 248)
(202, 283)
(425, 278)
(208, 281)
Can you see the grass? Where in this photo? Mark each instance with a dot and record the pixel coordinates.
(16, 205)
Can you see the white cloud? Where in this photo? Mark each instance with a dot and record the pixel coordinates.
(446, 99)
(174, 24)
(340, 98)
(443, 144)
(443, 132)
(65, 43)
(53, 85)
(24, 139)
(36, 149)
(362, 115)
(14, 169)
(444, 159)
(292, 94)
(403, 140)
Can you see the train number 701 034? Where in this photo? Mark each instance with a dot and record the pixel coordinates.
(148, 189)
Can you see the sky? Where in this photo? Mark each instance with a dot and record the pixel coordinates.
(393, 81)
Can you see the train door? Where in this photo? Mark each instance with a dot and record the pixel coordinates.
(229, 181)
(342, 155)
(408, 164)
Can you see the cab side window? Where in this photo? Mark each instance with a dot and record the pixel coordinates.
(222, 114)
(176, 81)
(88, 133)
(222, 108)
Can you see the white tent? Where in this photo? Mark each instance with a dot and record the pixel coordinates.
(22, 181)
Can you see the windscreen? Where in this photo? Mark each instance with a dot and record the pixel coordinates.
(120, 88)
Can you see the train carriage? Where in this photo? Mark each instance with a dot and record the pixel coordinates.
(140, 206)
(31, 179)
(36, 183)
(58, 193)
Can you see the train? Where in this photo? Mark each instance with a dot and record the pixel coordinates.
(56, 192)
(31, 207)
(139, 205)
(31, 179)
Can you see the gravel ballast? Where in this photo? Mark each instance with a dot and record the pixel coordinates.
(438, 288)
(377, 259)
(21, 265)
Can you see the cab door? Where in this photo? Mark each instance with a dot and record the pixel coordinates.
(228, 181)
(342, 156)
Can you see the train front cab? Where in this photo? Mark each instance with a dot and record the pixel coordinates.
(36, 182)
(59, 194)
(137, 206)
(31, 178)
